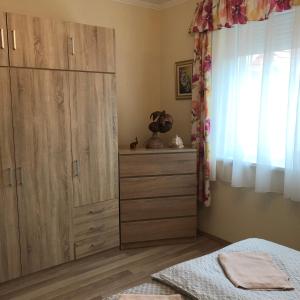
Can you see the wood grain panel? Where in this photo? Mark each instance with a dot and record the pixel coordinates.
(142, 231)
(95, 220)
(40, 42)
(156, 243)
(104, 241)
(157, 164)
(157, 186)
(143, 151)
(91, 48)
(43, 159)
(158, 208)
(94, 137)
(97, 227)
(9, 232)
(95, 211)
(3, 40)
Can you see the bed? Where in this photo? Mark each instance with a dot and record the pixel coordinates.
(202, 278)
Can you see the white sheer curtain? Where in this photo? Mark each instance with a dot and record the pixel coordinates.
(256, 105)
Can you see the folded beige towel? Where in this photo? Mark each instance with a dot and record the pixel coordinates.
(253, 270)
(150, 297)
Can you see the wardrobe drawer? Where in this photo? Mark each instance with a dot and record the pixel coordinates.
(96, 227)
(97, 219)
(96, 211)
(102, 242)
(158, 208)
(157, 186)
(157, 164)
(142, 231)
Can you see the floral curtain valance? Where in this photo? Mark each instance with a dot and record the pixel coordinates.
(216, 14)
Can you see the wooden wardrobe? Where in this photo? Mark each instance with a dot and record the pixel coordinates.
(58, 143)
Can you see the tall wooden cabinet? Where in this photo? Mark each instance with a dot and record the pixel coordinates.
(95, 161)
(9, 230)
(58, 143)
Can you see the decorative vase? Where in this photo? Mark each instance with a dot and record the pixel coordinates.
(155, 142)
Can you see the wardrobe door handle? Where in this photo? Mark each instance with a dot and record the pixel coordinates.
(14, 39)
(76, 168)
(9, 174)
(20, 175)
(72, 46)
(11, 177)
(2, 46)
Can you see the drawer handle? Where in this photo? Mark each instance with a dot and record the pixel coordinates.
(20, 175)
(93, 228)
(10, 173)
(92, 246)
(92, 212)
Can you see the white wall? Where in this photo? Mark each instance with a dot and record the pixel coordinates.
(176, 45)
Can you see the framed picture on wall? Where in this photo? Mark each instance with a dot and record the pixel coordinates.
(184, 74)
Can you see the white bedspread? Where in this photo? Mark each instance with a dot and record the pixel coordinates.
(203, 278)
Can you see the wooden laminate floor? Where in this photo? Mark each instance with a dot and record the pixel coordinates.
(104, 274)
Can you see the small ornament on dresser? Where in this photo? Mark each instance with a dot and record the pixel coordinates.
(161, 123)
(134, 144)
(177, 142)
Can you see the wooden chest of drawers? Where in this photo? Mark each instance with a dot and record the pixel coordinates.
(157, 196)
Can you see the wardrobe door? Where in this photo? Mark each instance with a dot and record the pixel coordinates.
(3, 41)
(43, 159)
(37, 42)
(9, 233)
(91, 48)
(94, 137)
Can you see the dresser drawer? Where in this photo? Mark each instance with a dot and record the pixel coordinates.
(157, 186)
(157, 164)
(102, 242)
(158, 208)
(142, 231)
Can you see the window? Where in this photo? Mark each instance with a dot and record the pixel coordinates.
(255, 100)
